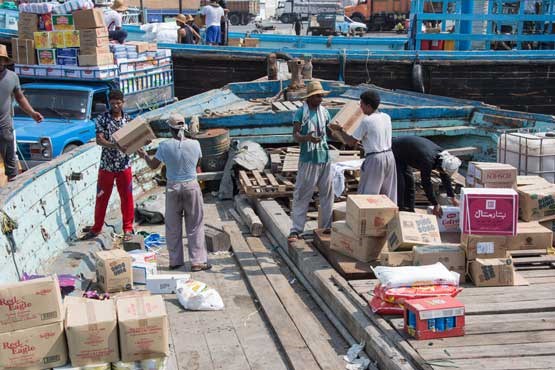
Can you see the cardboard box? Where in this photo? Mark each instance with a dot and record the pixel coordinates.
(485, 246)
(43, 40)
(67, 52)
(143, 328)
(530, 180)
(92, 333)
(89, 18)
(396, 259)
(140, 46)
(433, 318)
(45, 22)
(362, 248)
(67, 61)
(30, 303)
(450, 221)
(451, 256)
(134, 135)
(46, 56)
(62, 22)
(339, 213)
(409, 229)
(94, 37)
(370, 214)
(492, 272)
(531, 235)
(87, 50)
(39, 347)
(537, 202)
(235, 41)
(144, 266)
(113, 270)
(71, 39)
(486, 174)
(96, 59)
(346, 121)
(23, 51)
(489, 211)
(106, 366)
(27, 25)
(164, 283)
(249, 42)
(57, 39)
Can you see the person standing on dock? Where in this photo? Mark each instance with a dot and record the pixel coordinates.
(115, 166)
(181, 156)
(214, 13)
(185, 34)
(378, 174)
(314, 169)
(425, 156)
(298, 25)
(10, 89)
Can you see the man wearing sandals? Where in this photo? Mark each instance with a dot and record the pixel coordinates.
(181, 155)
(115, 165)
(314, 170)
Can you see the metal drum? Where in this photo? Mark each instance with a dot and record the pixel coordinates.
(215, 146)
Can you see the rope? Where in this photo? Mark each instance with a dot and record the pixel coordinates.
(368, 79)
(7, 226)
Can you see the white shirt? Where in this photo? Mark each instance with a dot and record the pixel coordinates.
(374, 132)
(112, 19)
(213, 15)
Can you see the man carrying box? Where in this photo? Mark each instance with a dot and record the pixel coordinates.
(114, 21)
(182, 155)
(115, 165)
(425, 156)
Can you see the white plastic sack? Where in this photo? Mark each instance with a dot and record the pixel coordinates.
(408, 276)
(197, 296)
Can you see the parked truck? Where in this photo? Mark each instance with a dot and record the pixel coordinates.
(379, 15)
(288, 10)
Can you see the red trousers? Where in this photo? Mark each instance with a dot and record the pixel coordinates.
(105, 184)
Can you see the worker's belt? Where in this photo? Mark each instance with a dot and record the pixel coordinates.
(366, 155)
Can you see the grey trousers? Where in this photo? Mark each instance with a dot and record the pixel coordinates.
(379, 176)
(184, 199)
(7, 152)
(310, 176)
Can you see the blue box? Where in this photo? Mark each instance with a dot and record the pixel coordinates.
(66, 61)
(68, 52)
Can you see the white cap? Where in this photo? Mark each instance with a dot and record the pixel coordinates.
(449, 163)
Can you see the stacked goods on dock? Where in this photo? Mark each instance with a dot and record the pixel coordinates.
(31, 325)
(491, 175)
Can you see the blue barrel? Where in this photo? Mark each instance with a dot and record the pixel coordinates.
(215, 147)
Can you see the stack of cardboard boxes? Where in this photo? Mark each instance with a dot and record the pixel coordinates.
(95, 49)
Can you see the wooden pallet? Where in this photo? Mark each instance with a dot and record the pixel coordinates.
(286, 106)
(286, 160)
(534, 258)
(256, 184)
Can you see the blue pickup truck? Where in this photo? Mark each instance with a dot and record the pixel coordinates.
(70, 107)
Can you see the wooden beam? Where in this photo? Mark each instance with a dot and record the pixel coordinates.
(295, 348)
(248, 215)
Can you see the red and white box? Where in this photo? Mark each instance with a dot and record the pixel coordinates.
(489, 211)
(434, 317)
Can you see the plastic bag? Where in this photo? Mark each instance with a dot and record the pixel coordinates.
(409, 276)
(399, 295)
(197, 296)
(385, 308)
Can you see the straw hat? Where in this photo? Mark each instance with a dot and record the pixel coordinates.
(314, 88)
(4, 55)
(181, 19)
(119, 6)
(190, 18)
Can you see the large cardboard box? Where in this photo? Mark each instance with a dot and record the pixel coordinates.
(90, 47)
(27, 25)
(370, 214)
(89, 18)
(492, 272)
(94, 37)
(93, 60)
(143, 328)
(537, 202)
(113, 270)
(40, 347)
(89, 50)
(530, 180)
(489, 211)
(134, 135)
(339, 213)
(251, 42)
(409, 229)
(92, 332)
(397, 259)
(23, 51)
(140, 46)
(43, 40)
(450, 220)
(30, 303)
(346, 121)
(62, 22)
(485, 246)
(72, 39)
(362, 248)
(531, 235)
(451, 256)
(488, 174)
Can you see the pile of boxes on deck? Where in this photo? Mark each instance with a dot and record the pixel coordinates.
(246, 42)
(478, 238)
(71, 40)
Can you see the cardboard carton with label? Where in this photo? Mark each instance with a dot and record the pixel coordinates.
(492, 272)
(489, 211)
(369, 214)
(362, 248)
(537, 202)
(451, 256)
(113, 270)
(408, 229)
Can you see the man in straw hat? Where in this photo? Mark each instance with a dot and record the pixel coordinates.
(185, 34)
(425, 156)
(310, 125)
(114, 21)
(378, 174)
(214, 14)
(9, 90)
(182, 155)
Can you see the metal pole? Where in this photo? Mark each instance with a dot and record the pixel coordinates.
(180, 6)
(142, 13)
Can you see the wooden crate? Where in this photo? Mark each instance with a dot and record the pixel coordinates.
(257, 184)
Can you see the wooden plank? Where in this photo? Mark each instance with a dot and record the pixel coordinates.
(248, 215)
(259, 179)
(507, 363)
(279, 107)
(544, 260)
(245, 179)
(314, 334)
(292, 342)
(487, 351)
(289, 105)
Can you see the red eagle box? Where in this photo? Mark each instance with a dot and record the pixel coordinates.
(489, 211)
(435, 317)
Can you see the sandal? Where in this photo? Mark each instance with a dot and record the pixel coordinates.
(89, 235)
(202, 267)
(293, 238)
(128, 236)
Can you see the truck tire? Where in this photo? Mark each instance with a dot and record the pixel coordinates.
(245, 19)
(234, 19)
(285, 18)
(69, 148)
